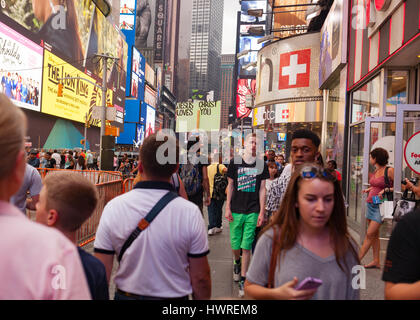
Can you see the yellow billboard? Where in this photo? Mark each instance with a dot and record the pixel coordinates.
(79, 96)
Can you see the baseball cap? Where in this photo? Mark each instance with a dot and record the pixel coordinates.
(34, 151)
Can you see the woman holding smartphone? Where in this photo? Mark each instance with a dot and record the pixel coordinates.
(310, 239)
(378, 159)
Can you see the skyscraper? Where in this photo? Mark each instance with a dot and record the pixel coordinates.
(226, 87)
(206, 46)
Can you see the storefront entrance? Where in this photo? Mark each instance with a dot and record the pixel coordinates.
(390, 133)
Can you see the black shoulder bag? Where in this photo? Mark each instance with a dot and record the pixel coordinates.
(389, 195)
(145, 222)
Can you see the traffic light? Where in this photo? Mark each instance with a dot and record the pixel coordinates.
(60, 90)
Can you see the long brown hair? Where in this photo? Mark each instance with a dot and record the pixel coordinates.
(286, 219)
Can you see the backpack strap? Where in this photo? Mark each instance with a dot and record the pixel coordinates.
(273, 258)
(145, 222)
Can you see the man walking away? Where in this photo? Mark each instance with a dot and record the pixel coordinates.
(218, 183)
(245, 207)
(32, 183)
(89, 160)
(56, 156)
(165, 256)
(66, 211)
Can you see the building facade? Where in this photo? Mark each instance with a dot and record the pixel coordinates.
(226, 86)
(206, 46)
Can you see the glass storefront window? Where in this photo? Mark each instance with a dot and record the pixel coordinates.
(366, 100)
(396, 90)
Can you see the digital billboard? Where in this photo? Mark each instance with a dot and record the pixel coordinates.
(244, 87)
(248, 43)
(150, 96)
(127, 22)
(293, 22)
(150, 120)
(249, 5)
(138, 68)
(128, 6)
(79, 97)
(134, 85)
(20, 69)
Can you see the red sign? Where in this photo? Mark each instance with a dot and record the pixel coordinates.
(295, 69)
(412, 153)
(245, 86)
(382, 5)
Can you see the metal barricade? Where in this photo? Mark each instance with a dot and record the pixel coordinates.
(109, 184)
(128, 185)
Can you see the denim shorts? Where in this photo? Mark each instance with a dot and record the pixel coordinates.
(373, 213)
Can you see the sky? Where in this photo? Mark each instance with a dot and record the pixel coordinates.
(229, 26)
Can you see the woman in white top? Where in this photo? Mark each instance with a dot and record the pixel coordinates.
(274, 174)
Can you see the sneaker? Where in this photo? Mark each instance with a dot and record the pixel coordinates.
(212, 231)
(217, 230)
(236, 271)
(241, 289)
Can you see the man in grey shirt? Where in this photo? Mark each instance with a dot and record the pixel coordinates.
(32, 183)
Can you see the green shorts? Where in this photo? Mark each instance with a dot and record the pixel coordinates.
(242, 230)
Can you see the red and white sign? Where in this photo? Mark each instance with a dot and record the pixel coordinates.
(382, 5)
(295, 68)
(245, 87)
(282, 113)
(412, 152)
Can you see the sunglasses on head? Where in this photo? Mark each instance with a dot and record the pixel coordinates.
(310, 172)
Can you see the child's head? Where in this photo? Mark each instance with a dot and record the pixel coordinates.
(272, 169)
(67, 200)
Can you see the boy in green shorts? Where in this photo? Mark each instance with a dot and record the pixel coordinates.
(245, 206)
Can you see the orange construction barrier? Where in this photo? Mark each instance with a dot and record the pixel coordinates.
(128, 185)
(109, 185)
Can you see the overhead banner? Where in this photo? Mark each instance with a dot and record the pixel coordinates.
(21, 69)
(79, 97)
(203, 115)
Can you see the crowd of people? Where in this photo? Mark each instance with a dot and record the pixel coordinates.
(67, 159)
(158, 235)
(18, 88)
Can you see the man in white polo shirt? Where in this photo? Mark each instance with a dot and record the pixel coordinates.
(168, 259)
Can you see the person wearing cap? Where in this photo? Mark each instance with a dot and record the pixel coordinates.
(33, 160)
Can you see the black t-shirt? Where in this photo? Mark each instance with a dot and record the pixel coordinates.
(50, 163)
(95, 275)
(246, 186)
(402, 263)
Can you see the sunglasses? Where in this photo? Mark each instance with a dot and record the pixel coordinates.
(310, 172)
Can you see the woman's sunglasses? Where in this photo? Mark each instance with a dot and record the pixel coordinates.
(310, 172)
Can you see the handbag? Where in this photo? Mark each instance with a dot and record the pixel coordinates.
(386, 207)
(404, 206)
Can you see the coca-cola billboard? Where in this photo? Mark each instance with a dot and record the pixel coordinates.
(245, 87)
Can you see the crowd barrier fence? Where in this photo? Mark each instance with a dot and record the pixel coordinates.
(109, 184)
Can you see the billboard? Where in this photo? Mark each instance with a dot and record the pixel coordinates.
(204, 115)
(245, 87)
(150, 75)
(138, 69)
(150, 96)
(248, 43)
(145, 23)
(20, 69)
(134, 86)
(127, 6)
(293, 22)
(248, 5)
(150, 121)
(79, 97)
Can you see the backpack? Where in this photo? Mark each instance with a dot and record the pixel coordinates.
(191, 177)
(219, 185)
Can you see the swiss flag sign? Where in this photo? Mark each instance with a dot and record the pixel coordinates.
(295, 68)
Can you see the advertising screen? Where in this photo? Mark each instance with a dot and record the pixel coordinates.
(145, 23)
(293, 22)
(248, 43)
(127, 6)
(138, 67)
(245, 87)
(79, 97)
(150, 96)
(134, 85)
(248, 5)
(127, 22)
(21, 69)
(150, 120)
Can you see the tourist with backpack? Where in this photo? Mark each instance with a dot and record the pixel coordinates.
(218, 183)
(195, 180)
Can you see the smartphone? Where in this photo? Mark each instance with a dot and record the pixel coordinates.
(309, 283)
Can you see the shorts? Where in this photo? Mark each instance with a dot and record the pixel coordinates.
(242, 230)
(373, 213)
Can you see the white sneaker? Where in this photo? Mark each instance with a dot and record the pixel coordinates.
(217, 230)
(212, 231)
